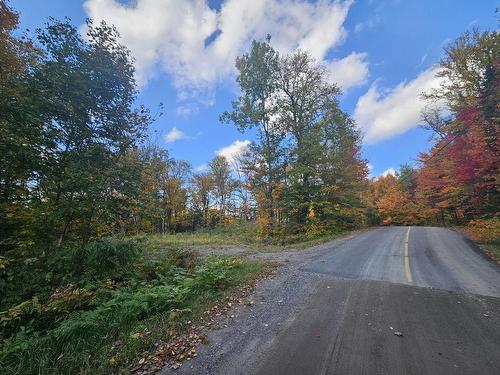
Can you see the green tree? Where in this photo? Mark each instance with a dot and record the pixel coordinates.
(407, 179)
(465, 67)
(342, 171)
(89, 91)
(21, 130)
(202, 187)
(223, 182)
(255, 108)
(305, 97)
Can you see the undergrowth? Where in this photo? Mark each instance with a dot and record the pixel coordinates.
(120, 298)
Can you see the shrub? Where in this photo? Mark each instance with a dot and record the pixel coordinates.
(106, 257)
(33, 315)
(485, 230)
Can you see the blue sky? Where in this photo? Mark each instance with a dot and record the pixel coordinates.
(382, 52)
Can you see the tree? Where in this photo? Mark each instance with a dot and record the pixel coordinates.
(89, 89)
(202, 187)
(407, 179)
(255, 108)
(393, 205)
(21, 130)
(302, 134)
(242, 197)
(459, 175)
(342, 171)
(464, 68)
(303, 95)
(68, 127)
(435, 121)
(223, 183)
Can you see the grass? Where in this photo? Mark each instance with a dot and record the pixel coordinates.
(238, 235)
(493, 249)
(103, 326)
(146, 333)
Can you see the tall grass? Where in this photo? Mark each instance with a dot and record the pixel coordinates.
(238, 234)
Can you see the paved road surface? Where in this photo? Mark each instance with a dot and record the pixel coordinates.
(386, 283)
(335, 309)
(436, 257)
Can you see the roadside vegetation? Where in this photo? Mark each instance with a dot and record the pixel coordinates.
(456, 182)
(98, 224)
(117, 300)
(487, 234)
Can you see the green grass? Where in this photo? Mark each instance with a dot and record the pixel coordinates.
(135, 312)
(493, 249)
(238, 234)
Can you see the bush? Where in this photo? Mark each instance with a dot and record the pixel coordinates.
(106, 257)
(485, 230)
(33, 315)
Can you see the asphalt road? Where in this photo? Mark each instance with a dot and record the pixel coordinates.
(335, 309)
(429, 284)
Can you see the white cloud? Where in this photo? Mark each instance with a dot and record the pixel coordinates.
(186, 111)
(370, 170)
(197, 45)
(424, 57)
(368, 24)
(174, 135)
(388, 172)
(382, 114)
(201, 168)
(350, 71)
(233, 150)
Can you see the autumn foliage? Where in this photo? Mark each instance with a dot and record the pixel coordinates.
(458, 180)
(484, 230)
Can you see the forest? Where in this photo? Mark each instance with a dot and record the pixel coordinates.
(91, 207)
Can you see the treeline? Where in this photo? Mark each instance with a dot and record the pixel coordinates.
(458, 180)
(76, 162)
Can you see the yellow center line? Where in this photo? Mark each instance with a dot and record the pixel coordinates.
(407, 258)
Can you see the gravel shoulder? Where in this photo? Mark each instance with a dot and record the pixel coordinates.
(250, 329)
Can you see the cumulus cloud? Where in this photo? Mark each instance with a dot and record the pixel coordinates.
(174, 135)
(233, 150)
(382, 114)
(197, 45)
(350, 71)
(388, 172)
